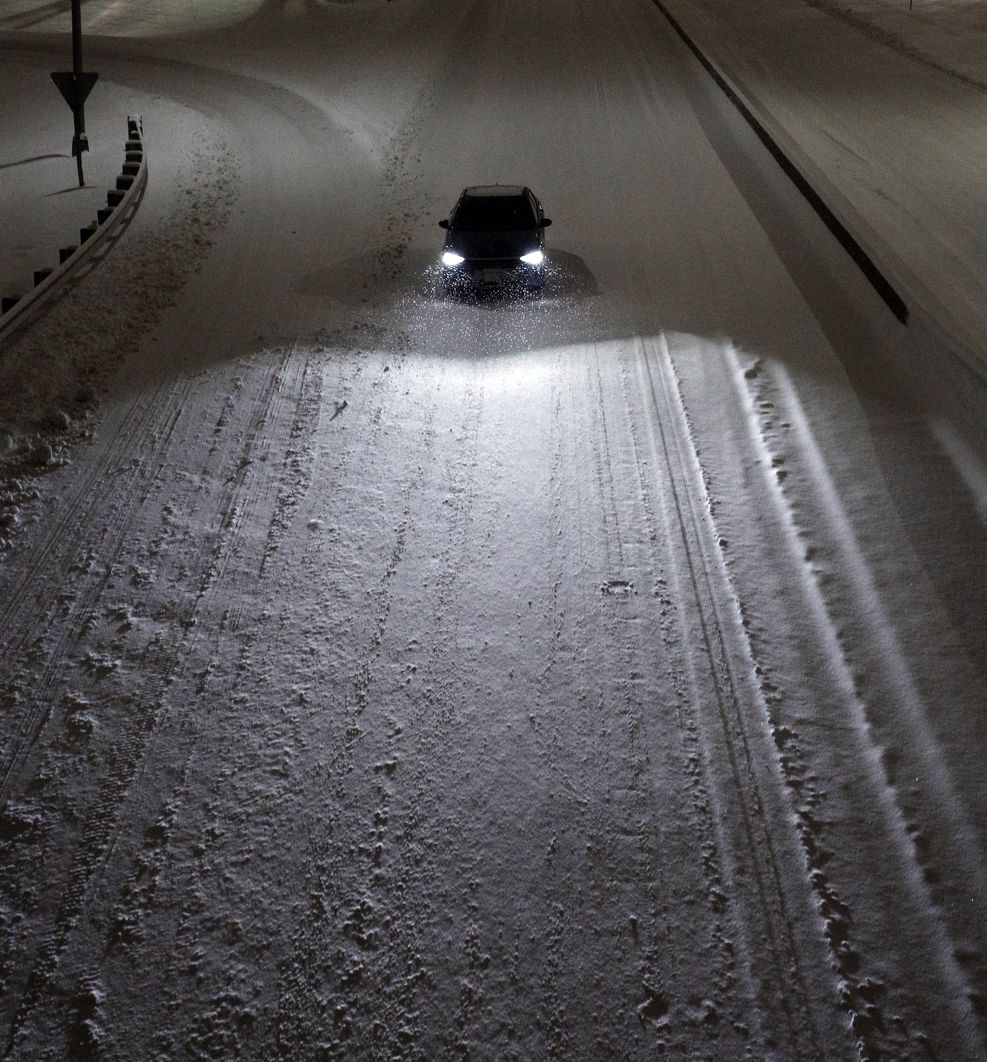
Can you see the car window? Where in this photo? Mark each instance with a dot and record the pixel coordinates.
(494, 213)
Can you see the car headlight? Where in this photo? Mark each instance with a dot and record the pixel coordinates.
(450, 258)
(534, 258)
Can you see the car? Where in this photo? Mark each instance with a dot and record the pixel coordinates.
(495, 238)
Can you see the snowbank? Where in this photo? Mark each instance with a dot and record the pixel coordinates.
(895, 145)
(52, 374)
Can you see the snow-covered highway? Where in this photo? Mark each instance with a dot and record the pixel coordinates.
(385, 675)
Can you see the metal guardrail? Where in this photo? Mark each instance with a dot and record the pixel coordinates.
(121, 202)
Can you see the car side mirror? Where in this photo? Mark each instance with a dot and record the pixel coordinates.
(545, 222)
(444, 223)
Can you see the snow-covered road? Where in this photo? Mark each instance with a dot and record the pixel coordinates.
(593, 676)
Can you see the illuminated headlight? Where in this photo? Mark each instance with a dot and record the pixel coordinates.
(450, 258)
(534, 258)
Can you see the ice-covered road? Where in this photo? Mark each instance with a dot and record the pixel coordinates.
(391, 677)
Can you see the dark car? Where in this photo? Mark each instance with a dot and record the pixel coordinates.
(495, 238)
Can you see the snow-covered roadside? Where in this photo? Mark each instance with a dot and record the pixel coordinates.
(51, 378)
(42, 206)
(53, 374)
(895, 146)
(950, 35)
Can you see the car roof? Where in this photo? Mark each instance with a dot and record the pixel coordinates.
(495, 189)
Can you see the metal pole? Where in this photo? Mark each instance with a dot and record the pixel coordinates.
(80, 142)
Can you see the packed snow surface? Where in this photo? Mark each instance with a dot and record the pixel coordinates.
(389, 675)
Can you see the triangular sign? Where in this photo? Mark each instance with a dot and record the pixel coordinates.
(75, 89)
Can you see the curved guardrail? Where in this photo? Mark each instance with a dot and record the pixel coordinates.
(121, 202)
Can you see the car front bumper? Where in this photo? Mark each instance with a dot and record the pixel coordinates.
(484, 273)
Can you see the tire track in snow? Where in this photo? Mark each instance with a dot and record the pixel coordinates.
(323, 922)
(236, 795)
(251, 484)
(345, 919)
(691, 746)
(747, 799)
(296, 474)
(567, 498)
(145, 429)
(554, 741)
(606, 481)
(930, 830)
(440, 722)
(103, 820)
(434, 715)
(673, 1005)
(673, 977)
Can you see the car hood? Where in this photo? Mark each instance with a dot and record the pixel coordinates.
(508, 244)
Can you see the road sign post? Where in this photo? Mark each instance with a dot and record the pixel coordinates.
(75, 87)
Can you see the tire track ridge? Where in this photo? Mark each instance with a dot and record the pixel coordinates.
(691, 745)
(560, 462)
(297, 467)
(688, 486)
(37, 711)
(934, 775)
(127, 756)
(318, 926)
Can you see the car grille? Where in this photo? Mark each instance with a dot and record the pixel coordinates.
(492, 263)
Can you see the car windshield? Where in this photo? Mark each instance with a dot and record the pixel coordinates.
(494, 213)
